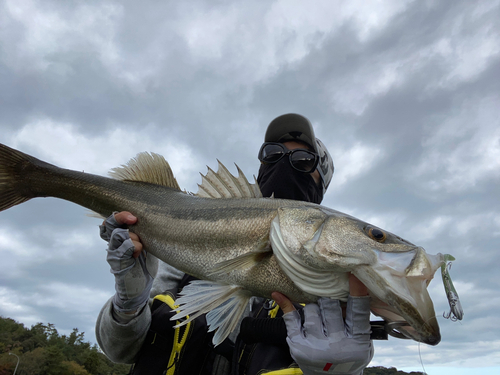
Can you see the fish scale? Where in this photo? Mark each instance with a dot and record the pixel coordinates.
(240, 244)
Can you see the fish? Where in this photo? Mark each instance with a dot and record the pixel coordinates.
(239, 244)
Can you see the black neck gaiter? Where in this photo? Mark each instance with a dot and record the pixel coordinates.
(287, 183)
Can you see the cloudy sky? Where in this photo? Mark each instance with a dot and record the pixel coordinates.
(405, 94)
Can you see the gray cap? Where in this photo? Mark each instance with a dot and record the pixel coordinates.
(291, 127)
(294, 127)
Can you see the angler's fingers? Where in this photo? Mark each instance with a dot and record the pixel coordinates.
(331, 315)
(120, 220)
(291, 317)
(312, 320)
(125, 217)
(283, 302)
(134, 237)
(358, 310)
(137, 244)
(356, 287)
(357, 320)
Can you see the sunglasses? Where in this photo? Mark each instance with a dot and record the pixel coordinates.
(300, 159)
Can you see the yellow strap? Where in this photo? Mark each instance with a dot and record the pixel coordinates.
(178, 344)
(285, 371)
(167, 299)
(274, 311)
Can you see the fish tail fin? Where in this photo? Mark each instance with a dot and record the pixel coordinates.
(14, 166)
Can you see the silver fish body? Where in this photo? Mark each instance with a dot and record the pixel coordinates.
(248, 246)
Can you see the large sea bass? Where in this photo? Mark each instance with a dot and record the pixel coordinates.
(246, 245)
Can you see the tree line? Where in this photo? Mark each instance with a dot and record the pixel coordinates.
(378, 370)
(42, 351)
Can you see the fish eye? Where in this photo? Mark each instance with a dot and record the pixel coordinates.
(377, 234)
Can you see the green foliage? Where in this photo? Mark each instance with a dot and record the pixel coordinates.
(42, 351)
(71, 367)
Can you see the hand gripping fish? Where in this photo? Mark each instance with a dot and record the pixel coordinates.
(242, 245)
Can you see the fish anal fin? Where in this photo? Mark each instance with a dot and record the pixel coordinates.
(224, 305)
(147, 167)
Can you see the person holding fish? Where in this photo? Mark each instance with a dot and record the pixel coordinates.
(320, 338)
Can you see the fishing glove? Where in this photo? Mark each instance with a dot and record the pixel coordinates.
(324, 343)
(133, 276)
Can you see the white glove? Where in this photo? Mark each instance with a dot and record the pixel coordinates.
(133, 276)
(325, 344)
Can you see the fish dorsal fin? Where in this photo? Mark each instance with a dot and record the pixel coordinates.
(224, 305)
(222, 184)
(147, 167)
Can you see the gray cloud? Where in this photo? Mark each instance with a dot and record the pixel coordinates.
(404, 94)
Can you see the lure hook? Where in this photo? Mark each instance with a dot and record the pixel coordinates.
(456, 312)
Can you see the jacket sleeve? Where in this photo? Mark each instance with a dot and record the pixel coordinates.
(121, 342)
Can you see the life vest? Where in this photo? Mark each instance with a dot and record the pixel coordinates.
(261, 347)
(174, 351)
(188, 350)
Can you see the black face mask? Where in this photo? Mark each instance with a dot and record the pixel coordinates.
(287, 183)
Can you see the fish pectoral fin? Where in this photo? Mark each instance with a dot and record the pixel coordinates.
(242, 262)
(224, 305)
(310, 279)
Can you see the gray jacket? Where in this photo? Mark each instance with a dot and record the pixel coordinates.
(121, 339)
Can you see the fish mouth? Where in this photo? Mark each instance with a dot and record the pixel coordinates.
(399, 293)
(408, 321)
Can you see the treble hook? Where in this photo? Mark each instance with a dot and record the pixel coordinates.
(456, 311)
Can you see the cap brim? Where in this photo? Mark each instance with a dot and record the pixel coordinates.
(291, 127)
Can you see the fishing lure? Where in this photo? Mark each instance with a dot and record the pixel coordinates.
(456, 312)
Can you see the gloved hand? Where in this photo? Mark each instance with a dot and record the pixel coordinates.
(133, 272)
(325, 343)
